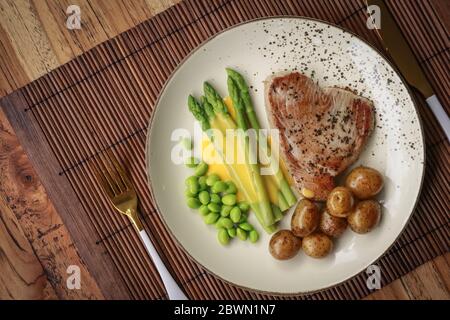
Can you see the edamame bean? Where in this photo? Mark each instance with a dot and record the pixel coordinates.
(189, 194)
(192, 184)
(231, 187)
(244, 217)
(253, 236)
(186, 143)
(191, 162)
(223, 237)
(246, 226)
(235, 214)
(190, 180)
(218, 224)
(203, 210)
(202, 183)
(241, 234)
(226, 223)
(229, 199)
(215, 198)
(225, 212)
(193, 203)
(194, 187)
(244, 206)
(214, 207)
(201, 169)
(212, 178)
(211, 218)
(204, 197)
(232, 232)
(219, 186)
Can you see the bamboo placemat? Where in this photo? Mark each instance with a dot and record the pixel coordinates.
(103, 101)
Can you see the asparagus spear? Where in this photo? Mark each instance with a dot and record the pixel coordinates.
(199, 113)
(208, 118)
(259, 185)
(277, 212)
(283, 185)
(237, 103)
(246, 99)
(282, 204)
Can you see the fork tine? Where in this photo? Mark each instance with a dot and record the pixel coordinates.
(111, 175)
(103, 180)
(126, 181)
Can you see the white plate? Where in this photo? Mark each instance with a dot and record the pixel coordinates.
(333, 57)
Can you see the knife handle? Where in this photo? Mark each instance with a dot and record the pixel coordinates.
(440, 114)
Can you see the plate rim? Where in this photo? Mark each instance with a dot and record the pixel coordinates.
(188, 56)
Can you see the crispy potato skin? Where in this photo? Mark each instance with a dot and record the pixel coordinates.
(332, 226)
(305, 218)
(365, 217)
(340, 201)
(364, 182)
(284, 245)
(317, 245)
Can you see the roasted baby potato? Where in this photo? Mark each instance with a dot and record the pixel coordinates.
(365, 216)
(364, 182)
(317, 245)
(340, 202)
(284, 245)
(305, 218)
(331, 225)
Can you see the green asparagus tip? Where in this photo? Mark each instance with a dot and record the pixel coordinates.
(214, 98)
(233, 73)
(192, 104)
(232, 89)
(208, 107)
(208, 89)
(209, 92)
(239, 79)
(199, 113)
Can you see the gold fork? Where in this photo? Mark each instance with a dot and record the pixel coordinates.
(122, 195)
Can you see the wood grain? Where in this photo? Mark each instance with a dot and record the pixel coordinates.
(429, 281)
(21, 276)
(38, 220)
(33, 41)
(25, 56)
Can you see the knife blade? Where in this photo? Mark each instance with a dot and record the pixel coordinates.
(398, 48)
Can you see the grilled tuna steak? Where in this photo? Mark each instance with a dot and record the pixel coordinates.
(322, 131)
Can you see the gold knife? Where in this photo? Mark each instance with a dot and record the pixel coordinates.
(397, 47)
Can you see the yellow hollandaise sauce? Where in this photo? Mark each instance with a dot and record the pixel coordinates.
(217, 166)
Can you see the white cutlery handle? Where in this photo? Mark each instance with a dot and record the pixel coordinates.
(440, 114)
(173, 290)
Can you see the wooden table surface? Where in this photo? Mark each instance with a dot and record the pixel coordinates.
(35, 247)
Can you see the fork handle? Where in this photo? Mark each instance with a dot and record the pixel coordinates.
(173, 290)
